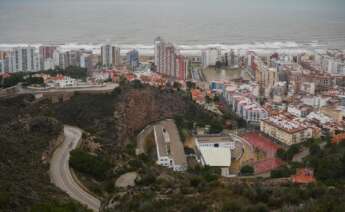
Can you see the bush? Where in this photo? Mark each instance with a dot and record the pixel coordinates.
(195, 181)
(289, 154)
(57, 207)
(282, 172)
(4, 198)
(233, 206)
(89, 164)
(247, 170)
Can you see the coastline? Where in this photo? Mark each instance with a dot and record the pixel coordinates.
(288, 47)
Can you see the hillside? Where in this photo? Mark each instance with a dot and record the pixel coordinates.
(111, 123)
(25, 143)
(115, 118)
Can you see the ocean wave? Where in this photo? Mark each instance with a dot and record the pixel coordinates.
(289, 47)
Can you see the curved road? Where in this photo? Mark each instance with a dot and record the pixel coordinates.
(60, 174)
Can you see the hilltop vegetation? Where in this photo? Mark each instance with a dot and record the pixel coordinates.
(24, 179)
(111, 122)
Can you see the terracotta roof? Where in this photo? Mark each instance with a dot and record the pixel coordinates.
(303, 176)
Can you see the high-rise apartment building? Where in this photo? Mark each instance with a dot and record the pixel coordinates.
(133, 59)
(91, 62)
(165, 58)
(209, 57)
(69, 58)
(182, 63)
(110, 56)
(46, 57)
(22, 59)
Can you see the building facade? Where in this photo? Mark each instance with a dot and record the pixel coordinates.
(23, 59)
(46, 54)
(133, 59)
(165, 58)
(209, 57)
(110, 56)
(285, 129)
(170, 151)
(182, 64)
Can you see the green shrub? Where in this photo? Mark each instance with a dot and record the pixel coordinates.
(247, 170)
(89, 164)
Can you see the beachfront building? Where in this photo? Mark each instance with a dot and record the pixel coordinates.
(46, 57)
(182, 64)
(91, 62)
(69, 58)
(170, 151)
(23, 59)
(133, 59)
(286, 129)
(110, 56)
(165, 58)
(209, 57)
(231, 59)
(2, 66)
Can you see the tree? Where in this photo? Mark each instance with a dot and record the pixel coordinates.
(190, 85)
(281, 172)
(136, 84)
(216, 98)
(315, 150)
(177, 85)
(281, 153)
(123, 80)
(89, 164)
(292, 151)
(247, 170)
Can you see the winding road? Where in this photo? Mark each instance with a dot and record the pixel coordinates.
(61, 175)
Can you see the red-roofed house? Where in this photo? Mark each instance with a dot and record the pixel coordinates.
(303, 176)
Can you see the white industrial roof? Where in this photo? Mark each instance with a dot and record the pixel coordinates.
(216, 156)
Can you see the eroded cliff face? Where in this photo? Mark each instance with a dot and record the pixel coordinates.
(139, 107)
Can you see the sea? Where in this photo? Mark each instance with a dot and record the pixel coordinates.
(292, 25)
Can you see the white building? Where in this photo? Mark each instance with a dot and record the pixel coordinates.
(65, 82)
(308, 87)
(48, 63)
(2, 66)
(315, 101)
(286, 129)
(23, 59)
(110, 56)
(238, 98)
(209, 57)
(165, 58)
(215, 150)
(170, 151)
(322, 118)
(335, 67)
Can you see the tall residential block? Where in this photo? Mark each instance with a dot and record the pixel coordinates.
(23, 59)
(165, 58)
(110, 56)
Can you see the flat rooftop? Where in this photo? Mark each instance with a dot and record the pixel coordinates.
(169, 143)
(285, 123)
(214, 138)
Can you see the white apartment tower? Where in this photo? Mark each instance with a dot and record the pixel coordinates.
(165, 57)
(23, 59)
(110, 56)
(209, 57)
